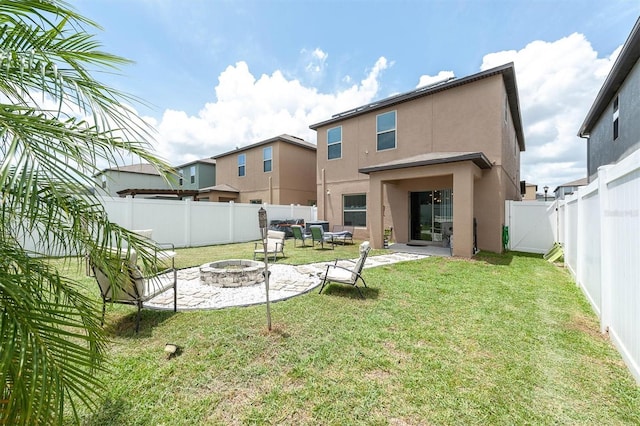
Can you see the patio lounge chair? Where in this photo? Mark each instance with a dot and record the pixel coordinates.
(343, 233)
(319, 236)
(299, 234)
(130, 286)
(344, 275)
(275, 244)
(164, 255)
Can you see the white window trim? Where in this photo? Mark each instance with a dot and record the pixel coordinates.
(365, 210)
(244, 164)
(395, 129)
(264, 160)
(334, 143)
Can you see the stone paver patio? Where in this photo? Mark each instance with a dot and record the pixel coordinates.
(285, 281)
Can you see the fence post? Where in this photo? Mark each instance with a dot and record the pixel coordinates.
(580, 239)
(606, 257)
(187, 222)
(232, 214)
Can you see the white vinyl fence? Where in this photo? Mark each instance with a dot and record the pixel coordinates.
(599, 229)
(190, 223)
(601, 239)
(532, 225)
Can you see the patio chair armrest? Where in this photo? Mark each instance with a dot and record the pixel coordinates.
(166, 246)
(339, 267)
(335, 262)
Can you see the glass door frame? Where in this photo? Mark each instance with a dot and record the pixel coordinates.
(440, 204)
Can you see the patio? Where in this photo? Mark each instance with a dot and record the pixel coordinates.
(286, 281)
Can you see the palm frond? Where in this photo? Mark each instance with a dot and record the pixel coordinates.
(57, 122)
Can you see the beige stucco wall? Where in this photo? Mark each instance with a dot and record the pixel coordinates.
(291, 180)
(468, 118)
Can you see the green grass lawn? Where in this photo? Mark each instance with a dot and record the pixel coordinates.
(501, 339)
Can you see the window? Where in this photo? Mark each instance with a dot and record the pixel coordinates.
(242, 161)
(354, 210)
(616, 116)
(258, 201)
(180, 177)
(386, 130)
(104, 182)
(334, 143)
(192, 174)
(267, 156)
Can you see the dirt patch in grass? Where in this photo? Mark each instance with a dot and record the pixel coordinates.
(583, 324)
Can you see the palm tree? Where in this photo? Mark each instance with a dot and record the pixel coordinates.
(57, 124)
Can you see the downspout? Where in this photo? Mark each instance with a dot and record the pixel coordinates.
(323, 188)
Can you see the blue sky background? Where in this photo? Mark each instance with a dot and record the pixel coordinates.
(220, 74)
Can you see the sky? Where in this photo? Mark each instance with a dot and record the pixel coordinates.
(217, 74)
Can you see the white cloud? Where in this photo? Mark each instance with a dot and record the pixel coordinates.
(316, 60)
(250, 109)
(426, 80)
(557, 83)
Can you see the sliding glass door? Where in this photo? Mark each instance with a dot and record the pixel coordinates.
(429, 211)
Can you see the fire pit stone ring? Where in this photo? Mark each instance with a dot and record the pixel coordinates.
(231, 273)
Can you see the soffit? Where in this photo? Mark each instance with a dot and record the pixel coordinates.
(432, 158)
(626, 60)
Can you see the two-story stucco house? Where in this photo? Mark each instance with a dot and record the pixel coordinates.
(612, 125)
(426, 161)
(279, 170)
(197, 174)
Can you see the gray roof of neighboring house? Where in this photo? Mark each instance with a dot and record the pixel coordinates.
(431, 158)
(223, 187)
(141, 168)
(208, 160)
(579, 182)
(628, 57)
(508, 75)
(283, 138)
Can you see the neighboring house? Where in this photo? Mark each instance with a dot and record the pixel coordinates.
(530, 191)
(569, 188)
(197, 174)
(612, 125)
(417, 162)
(280, 170)
(222, 193)
(113, 181)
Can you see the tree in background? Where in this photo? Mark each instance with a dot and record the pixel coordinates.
(57, 124)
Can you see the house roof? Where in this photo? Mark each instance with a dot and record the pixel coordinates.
(431, 158)
(141, 168)
(579, 182)
(208, 160)
(508, 75)
(177, 192)
(223, 187)
(628, 57)
(294, 140)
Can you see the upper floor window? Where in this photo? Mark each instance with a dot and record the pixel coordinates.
(181, 177)
(192, 174)
(104, 182)
(267, 158)
(334, 143)
(616, 118)
(242, 164)
(386, 130)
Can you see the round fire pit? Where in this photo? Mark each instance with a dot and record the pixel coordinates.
(231, 273)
